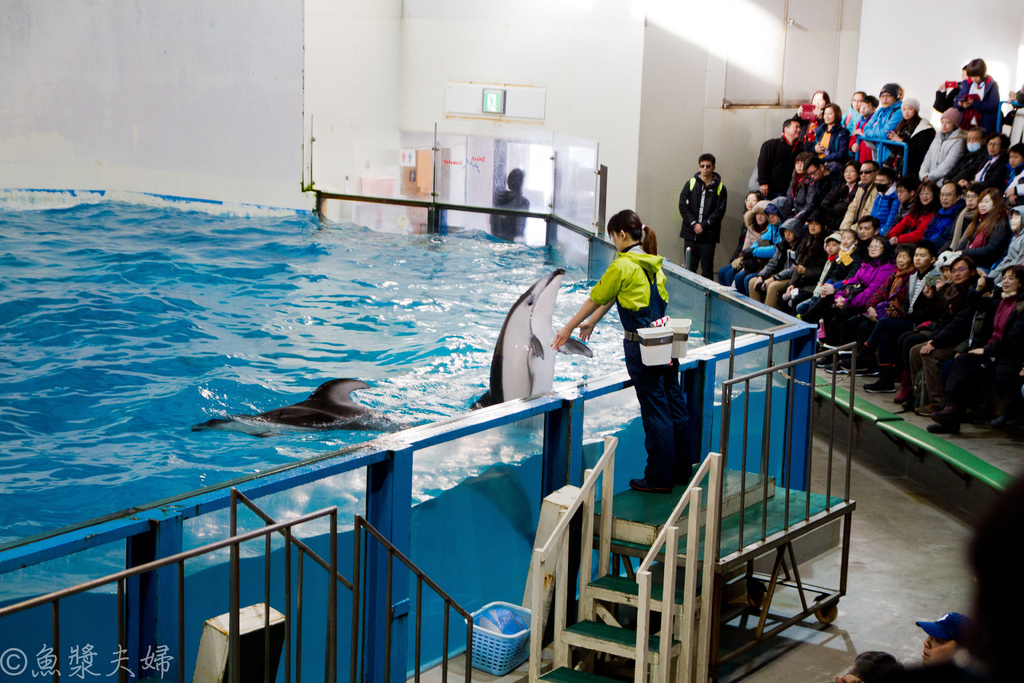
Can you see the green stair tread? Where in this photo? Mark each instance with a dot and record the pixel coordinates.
(620, 584)
(955, 455)
(654, 508)
(612, 634)
(863, 407)
(567, 675)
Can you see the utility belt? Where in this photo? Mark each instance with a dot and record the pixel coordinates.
(654, 341)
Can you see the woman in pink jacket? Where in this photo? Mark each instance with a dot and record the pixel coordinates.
(853, 297)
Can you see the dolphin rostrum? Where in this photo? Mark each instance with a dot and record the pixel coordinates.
(523, 363)
(328, 407)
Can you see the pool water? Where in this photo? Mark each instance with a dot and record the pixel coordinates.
(122, 325)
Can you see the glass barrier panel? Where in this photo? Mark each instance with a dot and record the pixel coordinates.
(372, 162)
(576, 168)
(507, 226)
(617, 414)
(726, 311)
(502, 173)
(390, 218)
(478, 498)
(687, 299)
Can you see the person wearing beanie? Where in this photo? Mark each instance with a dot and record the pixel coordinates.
(884, 120)
(947, 148)
(916, 132)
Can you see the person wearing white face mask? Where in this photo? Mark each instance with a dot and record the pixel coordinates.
(974, 157)
(946, 149)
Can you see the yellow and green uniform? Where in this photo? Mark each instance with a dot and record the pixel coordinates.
(626, 280)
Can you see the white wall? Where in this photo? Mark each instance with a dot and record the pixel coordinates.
(684, 84)
(925, 44)
(188, 98)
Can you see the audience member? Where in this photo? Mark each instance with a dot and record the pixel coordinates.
(852, 298)
(702, 204)
(1014, 191)
(755, 222)
(832, 139)
(1015, 252)
(946, 150)
(887, 203)
(916, 132)
(868, 106)
(949, 331)
(870, 667)
(799, 299)
(839, 197)
(975, 156)
(978, 99)
(911, 229)
(763, 250)
(943, 638)
(988, 236)
(901, 318)
(771, 281)
(940, 230)
(998, 360)
(797, 187)
(775, 161)
(844, 265)
(810, 261)
(819, 101)
(509, 226)
(884, 121)
(867, 230)
(971, 195)
(892, 296)
(852, 116)
(864, 200)
(993, 171)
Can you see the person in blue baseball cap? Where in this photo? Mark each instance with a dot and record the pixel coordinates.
(945, 636)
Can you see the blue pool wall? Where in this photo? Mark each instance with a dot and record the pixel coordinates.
(475, 542)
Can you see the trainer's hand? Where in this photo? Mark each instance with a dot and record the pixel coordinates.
(561, 337)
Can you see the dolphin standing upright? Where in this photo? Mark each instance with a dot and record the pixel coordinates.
(328, 407)
(523, 363)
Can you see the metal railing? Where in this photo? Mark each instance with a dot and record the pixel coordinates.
(892, 143)
(234, 639)
(542, 576)
(421, 578)
(668, 538)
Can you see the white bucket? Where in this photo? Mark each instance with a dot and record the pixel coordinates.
(655, 345)
(680, 333)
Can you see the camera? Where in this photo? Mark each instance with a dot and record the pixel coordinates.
(951, 84)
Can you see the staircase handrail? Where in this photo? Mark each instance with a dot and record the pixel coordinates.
(558, 540)
(669, 537)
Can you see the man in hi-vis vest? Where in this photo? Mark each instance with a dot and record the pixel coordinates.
(702, 206)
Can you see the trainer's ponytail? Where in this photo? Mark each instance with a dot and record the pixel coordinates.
(628, 222)
(650, 242)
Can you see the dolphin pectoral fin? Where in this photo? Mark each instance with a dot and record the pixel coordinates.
(536, 347)
(576, 347)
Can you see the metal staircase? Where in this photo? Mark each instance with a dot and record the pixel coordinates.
(675, 649)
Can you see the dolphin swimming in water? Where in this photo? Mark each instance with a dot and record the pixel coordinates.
(524, 363)
(328, 407)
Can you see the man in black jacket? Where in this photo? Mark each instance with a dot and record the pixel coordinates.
(702, 205)
(775, 162)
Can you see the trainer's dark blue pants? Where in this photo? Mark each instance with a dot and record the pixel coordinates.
(664, 415)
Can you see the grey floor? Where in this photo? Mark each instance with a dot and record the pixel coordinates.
(907, 563)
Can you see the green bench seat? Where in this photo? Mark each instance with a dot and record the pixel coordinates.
(862, 408)
(958, 457)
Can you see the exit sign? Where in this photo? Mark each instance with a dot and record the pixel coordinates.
(494, 101)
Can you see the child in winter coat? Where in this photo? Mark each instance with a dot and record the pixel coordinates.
(771, 281)
(764, 249)
(755, 222)
(843, 264)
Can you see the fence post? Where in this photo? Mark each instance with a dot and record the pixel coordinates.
(389, 510)
(563, 447)
(803, 402)
(151, 600)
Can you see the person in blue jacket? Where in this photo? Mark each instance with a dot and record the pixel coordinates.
(887, 203)
(885, 119)
(769, 238)
(978, 99)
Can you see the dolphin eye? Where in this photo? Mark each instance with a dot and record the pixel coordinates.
(529, 300)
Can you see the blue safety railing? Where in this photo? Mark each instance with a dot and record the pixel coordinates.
(150, 532)
(892, 143)
(999, 112)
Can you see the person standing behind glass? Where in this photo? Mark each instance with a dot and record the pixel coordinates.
(509, 227)
(702, 205)
(635, 283)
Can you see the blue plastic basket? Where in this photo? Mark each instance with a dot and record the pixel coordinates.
(497, 653)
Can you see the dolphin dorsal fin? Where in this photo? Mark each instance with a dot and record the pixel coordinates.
(338, 390)
(536, 347)
(576, 347)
